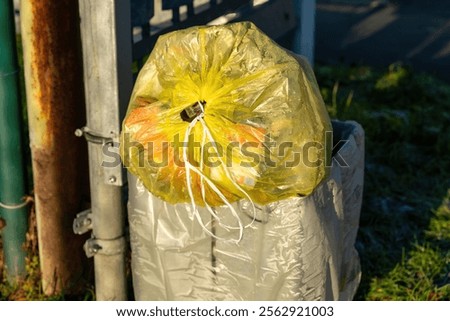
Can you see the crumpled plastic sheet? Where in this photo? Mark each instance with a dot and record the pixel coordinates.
(296, 249)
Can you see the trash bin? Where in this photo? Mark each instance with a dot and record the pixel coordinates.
(300, 248)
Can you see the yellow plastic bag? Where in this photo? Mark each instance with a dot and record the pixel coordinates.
(222, 113)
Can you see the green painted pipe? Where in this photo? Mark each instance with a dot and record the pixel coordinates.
(13, 211)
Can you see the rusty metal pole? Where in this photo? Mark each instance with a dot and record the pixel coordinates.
(54, 88)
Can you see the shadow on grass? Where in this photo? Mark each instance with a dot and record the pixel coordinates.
(404, 253)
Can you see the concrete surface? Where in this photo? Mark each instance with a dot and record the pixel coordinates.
(416, 32)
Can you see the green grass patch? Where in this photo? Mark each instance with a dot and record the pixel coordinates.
(423, 273)
(30, 289)
(403, 238)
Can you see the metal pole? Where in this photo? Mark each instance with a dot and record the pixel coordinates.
(304, 36)
(106, 40)
(13, 210)
(54, 87)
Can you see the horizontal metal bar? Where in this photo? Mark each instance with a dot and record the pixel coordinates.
(145, 45)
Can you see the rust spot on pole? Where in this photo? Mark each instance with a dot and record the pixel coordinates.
(54, 78)
(56, 63)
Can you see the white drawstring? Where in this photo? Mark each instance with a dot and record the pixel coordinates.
(229, 176)
(189, 167)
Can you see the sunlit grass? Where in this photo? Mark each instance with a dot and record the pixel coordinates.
(404, 230)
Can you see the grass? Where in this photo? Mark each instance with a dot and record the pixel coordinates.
(404, 235)
(30, 289)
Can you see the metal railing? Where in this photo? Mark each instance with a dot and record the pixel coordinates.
(274, 17)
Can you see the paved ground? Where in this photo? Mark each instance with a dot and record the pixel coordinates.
(416, 32)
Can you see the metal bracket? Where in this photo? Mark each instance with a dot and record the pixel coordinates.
(83, 222)
(95, 246)
(94, 137)
(112, 173)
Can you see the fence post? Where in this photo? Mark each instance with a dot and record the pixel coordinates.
(106, 42)
(304, 37)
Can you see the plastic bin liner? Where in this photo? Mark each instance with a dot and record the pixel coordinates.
(244, 107)
(296, 249)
